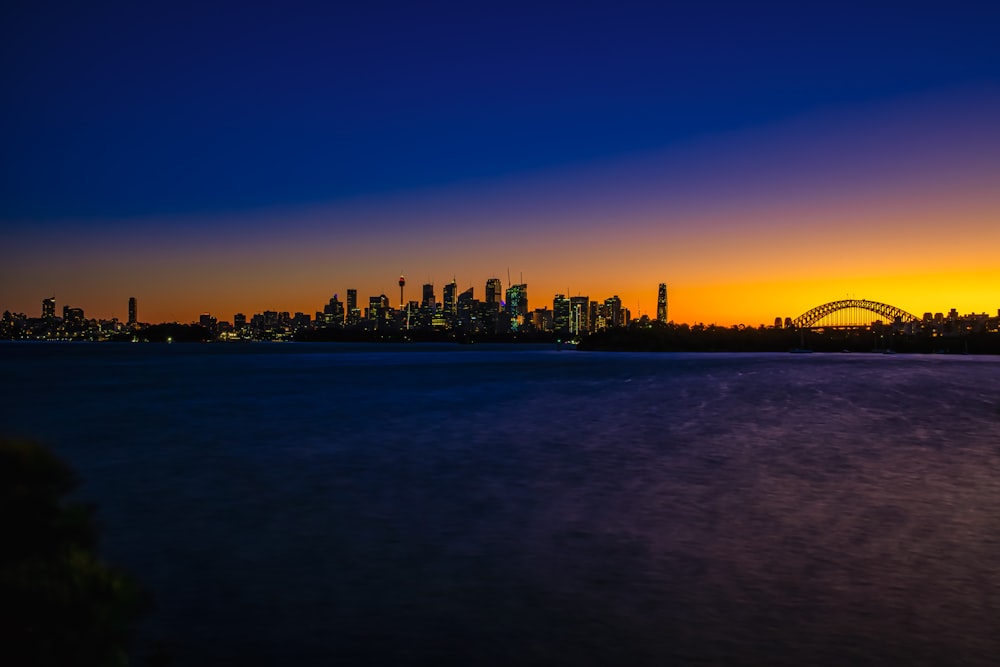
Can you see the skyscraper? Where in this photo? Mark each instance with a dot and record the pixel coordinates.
(353, 312)
(49, 308)
(333, 312)
(379, 310)
(579, 314)
(661, 304)
(494, 290)
(465, 310)
(427, 302)
(560, 314)
(517, 306)
(492, 321)
(133, 311)
(614, 311)
(449, 297)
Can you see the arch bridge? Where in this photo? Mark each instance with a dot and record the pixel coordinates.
(850, 313)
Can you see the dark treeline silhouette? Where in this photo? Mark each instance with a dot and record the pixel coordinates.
(420, 336)
(653, 337)
(170, 332)
(711, 338)
(59, 604)
(697, 338)
(639, 336)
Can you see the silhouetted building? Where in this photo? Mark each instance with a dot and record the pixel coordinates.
(133, 311)
(333, 312)
(427, 300)
(492, 307)
(374, 308)
(542, 319)
(465, 311)
(353, 312)
(517, 306)
(72, 314)
(49, 308)
(614, 312)
(579, 315)
(449, 297)
(560, 315)
(239, 321)
(494, 291)
(661, 304)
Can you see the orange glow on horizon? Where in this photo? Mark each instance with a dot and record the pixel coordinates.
(742, 229)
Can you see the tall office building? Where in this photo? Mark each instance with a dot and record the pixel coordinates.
(494, 290)
(465, 310)
(661, 304)
(492, 321)
(579, 314)
(333, 312)
(614, 311)
(353, 312)
(560, 314)
(594, 320)
(517, 306)
(379, 310)
(449, 297)
(49, 308)
(427, 302)
(133, 311)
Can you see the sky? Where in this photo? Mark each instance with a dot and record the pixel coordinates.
(759, 158)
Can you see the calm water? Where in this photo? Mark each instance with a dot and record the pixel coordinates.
(297, 504)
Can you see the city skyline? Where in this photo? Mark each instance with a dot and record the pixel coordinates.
(761, 160)
(858, 325)
(513, 300)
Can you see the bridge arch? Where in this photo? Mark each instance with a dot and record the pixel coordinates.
(885, 312)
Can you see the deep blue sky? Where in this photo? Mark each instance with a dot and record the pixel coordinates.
(131, 108)
(240, 157)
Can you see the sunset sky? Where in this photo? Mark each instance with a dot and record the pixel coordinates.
(759, 158)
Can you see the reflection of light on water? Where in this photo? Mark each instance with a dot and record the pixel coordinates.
(480, 507)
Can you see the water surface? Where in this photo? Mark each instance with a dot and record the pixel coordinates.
(312, 504)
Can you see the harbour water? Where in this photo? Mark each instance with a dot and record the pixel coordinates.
(353, 504)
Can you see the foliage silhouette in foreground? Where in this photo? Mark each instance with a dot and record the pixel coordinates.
(59, 604)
